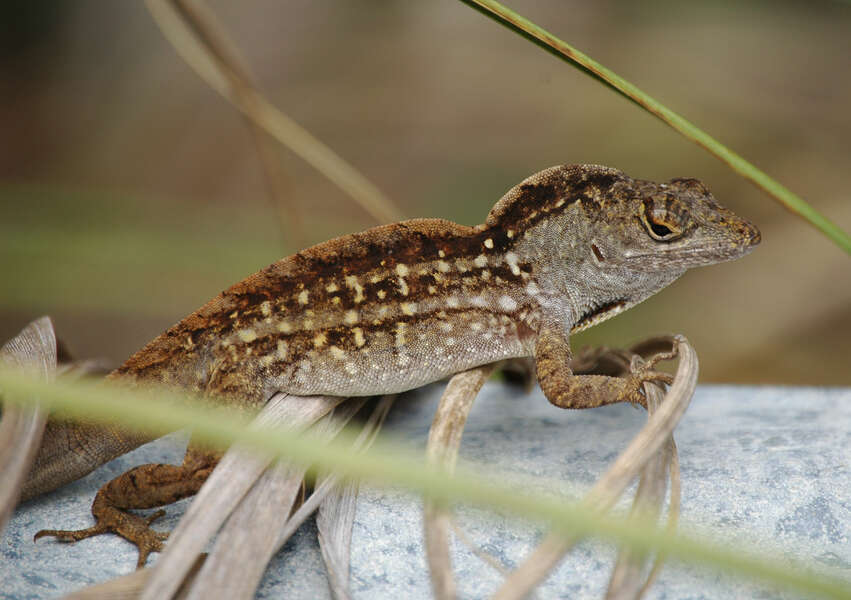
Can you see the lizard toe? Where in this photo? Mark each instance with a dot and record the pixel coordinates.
(71, 535)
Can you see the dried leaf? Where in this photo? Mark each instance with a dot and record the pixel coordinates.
(444, 440)
(236, 473)
(335, 520)
(614, 481)
(21, 429)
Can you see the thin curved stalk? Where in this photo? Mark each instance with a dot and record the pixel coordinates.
(263, 114)
(561, 49)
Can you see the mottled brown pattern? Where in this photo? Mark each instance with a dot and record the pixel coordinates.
(375, 253)
(405, 304)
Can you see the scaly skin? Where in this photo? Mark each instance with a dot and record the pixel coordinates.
(401, 305)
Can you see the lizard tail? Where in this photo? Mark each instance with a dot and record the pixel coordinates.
(69, 451)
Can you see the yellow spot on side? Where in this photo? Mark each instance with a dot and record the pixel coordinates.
(401, 270)
(302, 297)
(337, 353)
(403, 286)
(281, 352)
(443, 266)
(441, 253)
(512, 259)
(481, 261)
(400, 333)
(266, 308)
(285, 327)
(381, 294)
(247, 335)
(488, 243)
(319, 340)
(331, 287)
(359, 339)
(353, 283)
(432, 290)
(408, 308)
(351, 317)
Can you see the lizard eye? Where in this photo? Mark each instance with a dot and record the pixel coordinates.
(662, 225)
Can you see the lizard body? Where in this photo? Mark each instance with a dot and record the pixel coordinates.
(401, 305)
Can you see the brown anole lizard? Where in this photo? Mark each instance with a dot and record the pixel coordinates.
(402, 305)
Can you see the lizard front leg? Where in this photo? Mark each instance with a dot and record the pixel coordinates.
(145, 486)
(566, 390)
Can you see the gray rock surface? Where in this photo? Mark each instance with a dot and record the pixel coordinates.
(766, 468)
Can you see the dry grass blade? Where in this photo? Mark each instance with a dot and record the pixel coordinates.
(336, 515)
(212, 38)
(444, 439)
(614, 481)
(130, 586)
(238, 470)
(564, 51)
(335, 520)
(263, 114)
(21, 429)
(327, 483)
(627, 581)
(249, 538)
(673, 513)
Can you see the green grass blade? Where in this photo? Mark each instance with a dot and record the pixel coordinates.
(159, 410)
(575, 58)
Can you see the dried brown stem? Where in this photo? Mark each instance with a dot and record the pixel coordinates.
(236, 473)
(611, 485)
(21, 428)
(263, 114)
(444, 439)
(201, 22)
(627, 580)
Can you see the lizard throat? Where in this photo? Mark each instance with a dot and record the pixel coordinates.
(599, 314)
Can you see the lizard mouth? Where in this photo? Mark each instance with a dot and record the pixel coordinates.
(599, 314)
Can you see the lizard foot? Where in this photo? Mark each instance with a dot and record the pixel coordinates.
(133, 528)
(644, 372)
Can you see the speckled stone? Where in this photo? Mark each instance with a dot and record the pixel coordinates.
(767, 468)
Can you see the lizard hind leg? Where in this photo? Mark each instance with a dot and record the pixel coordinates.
(145, 486)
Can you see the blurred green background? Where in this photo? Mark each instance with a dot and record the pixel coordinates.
(131, 193)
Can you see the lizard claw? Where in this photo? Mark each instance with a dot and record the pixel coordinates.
(160, 513)
(643, 372)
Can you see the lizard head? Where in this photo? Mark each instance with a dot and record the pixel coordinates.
(675, 225)
(604, 239)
